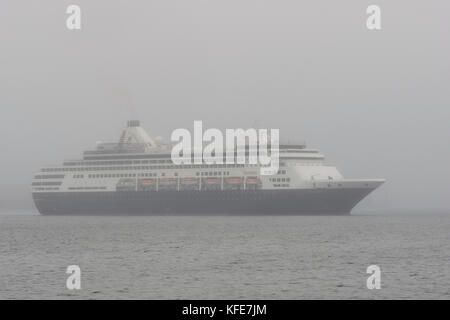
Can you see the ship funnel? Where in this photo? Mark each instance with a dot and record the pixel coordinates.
(134, 133)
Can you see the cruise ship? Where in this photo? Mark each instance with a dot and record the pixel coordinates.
(136, 176)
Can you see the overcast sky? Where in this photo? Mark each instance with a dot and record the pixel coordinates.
(377, 103)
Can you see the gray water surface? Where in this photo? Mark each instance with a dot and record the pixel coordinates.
(195, 257)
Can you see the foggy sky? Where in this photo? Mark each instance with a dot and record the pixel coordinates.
(376, 103)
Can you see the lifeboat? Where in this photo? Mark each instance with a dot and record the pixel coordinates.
(188, 180)
(234, 180)
(168, 184)
(212, 180)
(148, 182)
(189, 183)
(252, 180)
(252, 183)
(211, 184)
(167, 181)
(233, 183)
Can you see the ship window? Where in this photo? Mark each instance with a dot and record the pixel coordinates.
(50, 183)
(163, 174)
(175, 174)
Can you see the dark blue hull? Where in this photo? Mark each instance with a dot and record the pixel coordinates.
(239, 202)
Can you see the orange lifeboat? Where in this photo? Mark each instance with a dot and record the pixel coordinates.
(212, 180)
(147, 182)
(188, 180)
(167, 180)
(252, 180)
(234, 180)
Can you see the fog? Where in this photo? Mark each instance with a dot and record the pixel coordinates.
(376, 103)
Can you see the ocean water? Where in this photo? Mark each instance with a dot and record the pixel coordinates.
(271, 257)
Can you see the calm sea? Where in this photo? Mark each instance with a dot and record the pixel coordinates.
(225, 257)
